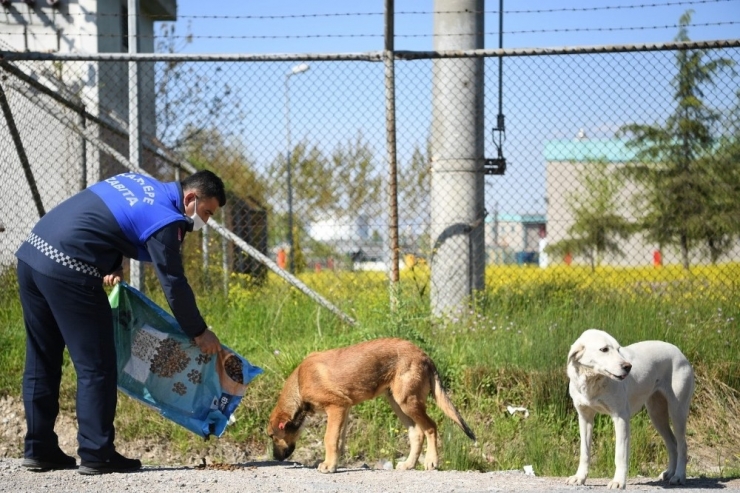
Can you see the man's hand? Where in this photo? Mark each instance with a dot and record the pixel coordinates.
(114, 278)
(208, 342)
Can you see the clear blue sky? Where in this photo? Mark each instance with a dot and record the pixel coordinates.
(335, 101)
(302, 26)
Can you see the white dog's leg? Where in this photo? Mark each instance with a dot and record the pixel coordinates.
(679, 476)
(657, 408)
(621, 452)
(679, 419)
(586, 428)
(683, 386)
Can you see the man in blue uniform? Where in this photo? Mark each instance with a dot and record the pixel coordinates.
(71, 252)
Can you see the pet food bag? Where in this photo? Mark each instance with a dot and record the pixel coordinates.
(159, 365)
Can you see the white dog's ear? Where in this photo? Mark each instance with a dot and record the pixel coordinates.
(576, 350)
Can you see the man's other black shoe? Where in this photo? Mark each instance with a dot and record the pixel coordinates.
(57, 460)
(117, 463)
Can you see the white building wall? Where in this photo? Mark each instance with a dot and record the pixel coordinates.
(563, 179)
(53, 150)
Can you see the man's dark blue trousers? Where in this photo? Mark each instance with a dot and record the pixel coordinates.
(57, 314)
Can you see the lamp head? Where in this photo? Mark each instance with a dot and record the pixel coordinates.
(300, 68)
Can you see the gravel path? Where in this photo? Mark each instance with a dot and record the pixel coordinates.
(288, 478)
(239, 474)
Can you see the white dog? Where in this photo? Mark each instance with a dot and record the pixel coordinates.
(614, 380)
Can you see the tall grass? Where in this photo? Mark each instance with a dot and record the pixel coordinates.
(509, 348)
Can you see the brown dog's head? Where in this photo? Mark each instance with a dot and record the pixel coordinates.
(284, 431)
(284, 435)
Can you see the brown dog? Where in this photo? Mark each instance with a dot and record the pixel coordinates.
(335, 380)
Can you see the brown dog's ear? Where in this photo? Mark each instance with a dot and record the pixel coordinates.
(576, 350)
(281, 425)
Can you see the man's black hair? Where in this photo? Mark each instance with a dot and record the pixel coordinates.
(207, 184)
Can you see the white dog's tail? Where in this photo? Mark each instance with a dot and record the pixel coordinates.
(446, 405)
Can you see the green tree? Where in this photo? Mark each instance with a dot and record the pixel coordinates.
(299, 258)
(414, 191)
(192, 98)
(597, 226)
(357, 182)
(312, 182)
(313, 194)
(677, 169)
(207, 149)
(723, 224)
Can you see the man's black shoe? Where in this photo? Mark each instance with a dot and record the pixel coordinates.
(117, 463)
(57, 460)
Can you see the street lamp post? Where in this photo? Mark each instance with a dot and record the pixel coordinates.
(298, 69)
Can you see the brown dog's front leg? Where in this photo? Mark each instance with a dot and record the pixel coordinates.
(343, 432)
(334, 424)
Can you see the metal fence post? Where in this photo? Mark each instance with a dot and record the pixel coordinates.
(134, 143)
(390, 134)
(83, 152)
(225, 256)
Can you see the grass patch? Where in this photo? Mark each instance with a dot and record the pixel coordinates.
(508, 349)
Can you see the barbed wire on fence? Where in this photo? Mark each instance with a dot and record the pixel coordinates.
(339, 36)
(643, 6)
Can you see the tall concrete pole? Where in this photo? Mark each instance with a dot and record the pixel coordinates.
(457, 194)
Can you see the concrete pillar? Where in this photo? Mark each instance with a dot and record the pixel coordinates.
(457, 193)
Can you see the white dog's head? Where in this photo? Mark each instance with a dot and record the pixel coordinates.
(598, 352)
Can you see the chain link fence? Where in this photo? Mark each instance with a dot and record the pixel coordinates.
(614, 161)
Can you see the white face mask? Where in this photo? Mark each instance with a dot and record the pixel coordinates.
(198, 223)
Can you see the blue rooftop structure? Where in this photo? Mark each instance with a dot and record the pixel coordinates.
(518, 218)
(589, 150)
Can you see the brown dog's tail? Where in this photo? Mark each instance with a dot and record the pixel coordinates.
(446, 405)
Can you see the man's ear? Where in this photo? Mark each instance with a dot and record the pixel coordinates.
(188, 197)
